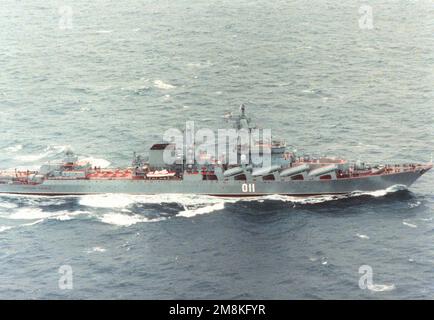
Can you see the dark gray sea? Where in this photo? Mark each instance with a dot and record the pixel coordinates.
(106, 78)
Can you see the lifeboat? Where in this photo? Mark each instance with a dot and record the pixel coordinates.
(160, 174)
(378, 170)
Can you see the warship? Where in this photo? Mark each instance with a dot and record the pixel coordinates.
(287, 173)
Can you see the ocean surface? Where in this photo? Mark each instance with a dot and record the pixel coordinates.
(107, 78)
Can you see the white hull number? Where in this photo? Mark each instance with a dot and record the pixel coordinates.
(248, 187)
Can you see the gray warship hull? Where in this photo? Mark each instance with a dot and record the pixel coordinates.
(236, 188)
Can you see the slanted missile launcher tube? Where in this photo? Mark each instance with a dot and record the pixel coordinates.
(294, 170)
(323, 170)
(233, 171)
(265, 171)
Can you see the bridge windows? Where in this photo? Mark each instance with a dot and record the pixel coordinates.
(297, 177)
(240, 177)
(325, 177)
(209, 177)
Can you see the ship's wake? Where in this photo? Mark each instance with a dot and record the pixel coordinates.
(31, 158)
(127, 210)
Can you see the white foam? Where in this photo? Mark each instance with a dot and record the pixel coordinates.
(106, 200)
(162, 85)
(119, 200)
(49, 151)
(411, 225)
(4, 228)
(29, 214)
(31, 157)
(426, 219)
(301, 200)
(194, 64)
(414, 204)
(7, 205)
(96, 249)
(379, 193)
(382, 193)
(84, 109)
(13, 149)
(308, 91)
(362, 236)
(32, 223)
(119, 219)
(188, 213)
(95, 162)
(381, 287)
(65, 217)
(103, 31)
(198, 201)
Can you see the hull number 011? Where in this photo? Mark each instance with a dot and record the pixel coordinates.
(248, 187)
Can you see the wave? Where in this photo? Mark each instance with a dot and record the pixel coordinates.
(382, 192)
(49, 151)
(325, 198)
(106, 201)
(162, 85)
(95, 162)
(114, 200)
(411, 225)
(126, 210)
(414, 204)
(96, 249)
(188, 213)
(362, 236)
(381, 287)
(193, 205)
(126, 220)
(13, 149)
(4, 228)
(32, 223)
(8, 205)
(32, 213)
(102, 31)
(29, 214)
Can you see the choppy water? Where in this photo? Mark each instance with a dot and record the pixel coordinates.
(126, 72)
